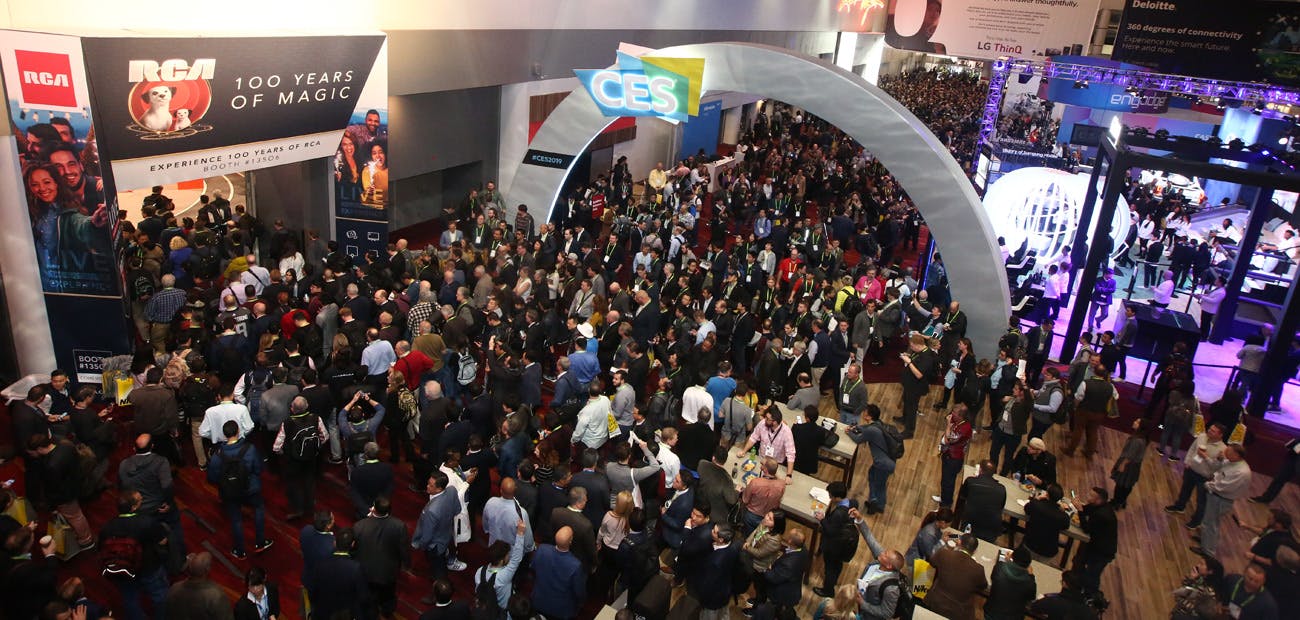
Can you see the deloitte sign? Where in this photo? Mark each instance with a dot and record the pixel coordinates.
(668, 88)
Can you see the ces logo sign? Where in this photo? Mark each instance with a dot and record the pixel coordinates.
(668, 88)
(46, 79)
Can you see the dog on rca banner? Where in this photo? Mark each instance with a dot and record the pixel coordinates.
(159, 116)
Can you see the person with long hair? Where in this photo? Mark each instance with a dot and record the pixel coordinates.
(613, 527)
(930, 536)
(374, 179)
(347, 173)
(761, 549)
(66, 233)
(1010, 427)
(844, 606)
(1128, 467)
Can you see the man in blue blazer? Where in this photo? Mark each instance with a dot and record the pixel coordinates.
(560, 582)
(435, 529)
(678, 509)
(710, 582)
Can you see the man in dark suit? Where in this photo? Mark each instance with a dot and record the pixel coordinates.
(980, 503)
(645, 319)
(29, 421)
(958, 580)
(710, 583)
(678, 509)
(530, 380)
(551, 495)
(716, 486)
(370, 480)
(338, 586)
(797, 365)
(809, 437)
(785, 578)
(383, 548)
(1037, 350)
(260, 588)
(839, 538)
(570, 516)
(444, 607)
(597, 486)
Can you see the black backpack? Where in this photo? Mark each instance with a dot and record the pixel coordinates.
(302, 437)
(120, 557)
(485, 596)
(357, 441)
(1063, 413)
(893, 441)
(256, 382)
(906, 604)
(232, 485)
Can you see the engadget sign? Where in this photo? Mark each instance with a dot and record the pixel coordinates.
(668, 88)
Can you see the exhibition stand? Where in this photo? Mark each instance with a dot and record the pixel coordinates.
(1190, 157)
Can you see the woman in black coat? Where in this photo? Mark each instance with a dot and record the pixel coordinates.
(261, 601)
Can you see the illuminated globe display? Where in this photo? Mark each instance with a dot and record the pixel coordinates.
(1043, 205)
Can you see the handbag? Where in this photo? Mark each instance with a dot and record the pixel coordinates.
(20, 509)
(922, 578)
(611, 424)
(65, 540)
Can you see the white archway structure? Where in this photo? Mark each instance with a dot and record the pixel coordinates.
(916, 158)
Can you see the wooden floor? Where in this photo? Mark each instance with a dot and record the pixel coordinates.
(1153, 545)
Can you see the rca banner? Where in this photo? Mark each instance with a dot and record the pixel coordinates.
(174, 109)
(362, 195)
(70, 201)
(991, 28)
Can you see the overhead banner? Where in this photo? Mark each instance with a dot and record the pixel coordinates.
(668, 88)
(173, 109)
(70, 200)
(991, 28)
(1251, 41)
(1102, 96)
(362, 192)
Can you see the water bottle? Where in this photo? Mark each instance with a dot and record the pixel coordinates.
(1016, 476)
(735, 469)
(967, 528)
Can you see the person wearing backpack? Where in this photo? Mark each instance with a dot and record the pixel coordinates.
(494, 582)
(357, 430)
(839, 541)
(338, 587)
(131, 550)
(236, 470)
(300, 439)
(884, 442)
(888, 593)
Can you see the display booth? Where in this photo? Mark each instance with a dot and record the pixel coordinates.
(1191, 157)
(913, 155)
(92, 115)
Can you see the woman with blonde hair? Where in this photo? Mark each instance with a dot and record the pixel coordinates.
(843, 607)
(612, 530)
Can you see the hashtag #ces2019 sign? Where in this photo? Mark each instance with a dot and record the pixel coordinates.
(667, 88)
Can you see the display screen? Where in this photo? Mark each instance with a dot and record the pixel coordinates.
(1087, 135)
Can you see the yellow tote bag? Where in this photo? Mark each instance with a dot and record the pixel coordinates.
(922, 578)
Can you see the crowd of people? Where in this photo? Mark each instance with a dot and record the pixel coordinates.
(570, 396)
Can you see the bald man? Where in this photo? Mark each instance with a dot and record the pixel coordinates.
(198, 597)
(151, 475)
(502, 513)
(560, 585)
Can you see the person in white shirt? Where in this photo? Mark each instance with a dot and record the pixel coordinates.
(592, 427)
(695, 399)
(1210, 301)
(217, 415)
(1146, 231)
(668, 460)
(256, 275)
(1230, 483)
(705, 327)
(1163, 292)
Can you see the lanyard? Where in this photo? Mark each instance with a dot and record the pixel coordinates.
(1243, 604)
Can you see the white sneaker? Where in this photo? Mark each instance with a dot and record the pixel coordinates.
(456, 565)
(936, 498)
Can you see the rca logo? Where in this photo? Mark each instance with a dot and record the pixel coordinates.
(46, 78)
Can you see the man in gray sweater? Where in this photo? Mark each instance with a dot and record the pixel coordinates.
(151, 474)
(1230, 483)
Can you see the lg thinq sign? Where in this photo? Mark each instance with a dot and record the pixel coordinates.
(667, 88)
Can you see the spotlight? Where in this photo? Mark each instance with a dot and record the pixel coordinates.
(1162, 134)
(1283, 139)
(1140, 132)
(1214, 141)
(1236, 144)
(1080, 84)
(1255, 148)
